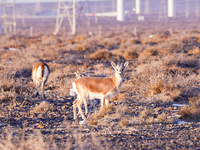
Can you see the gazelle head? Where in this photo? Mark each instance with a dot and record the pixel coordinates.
(119, 69)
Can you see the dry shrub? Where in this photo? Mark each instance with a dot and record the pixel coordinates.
(102, 112)
(15, 44)
(193, 110)
(109, 42)
(189, 63)
(122, 41)
(117, 52)
(129, 41)
(7, 87)
(119, 97)
(85, 65)
(50, 40)
(100, 55)
(49, 53)
(157, 38)
(130, 55)
(70, 42)
(42, 107)
(143, 116)
(93, 122)
(124, 122)
(152, 51)
(189, 40)
(53, 66)
(32, 41)
(158, 87)
(198, 39)
(35, 141)
(128, 111)
(194, 51)
(79, 38)
(164, 118)
(173, 45)
(150, 120)
(81, 47)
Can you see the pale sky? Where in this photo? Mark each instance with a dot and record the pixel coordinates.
(33, 1)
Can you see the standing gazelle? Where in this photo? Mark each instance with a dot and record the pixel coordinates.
(97, 87)
(40, 73)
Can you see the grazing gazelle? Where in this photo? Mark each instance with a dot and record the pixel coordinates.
(40, 73)
(97, 87)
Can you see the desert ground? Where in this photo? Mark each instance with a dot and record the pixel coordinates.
(158, 106)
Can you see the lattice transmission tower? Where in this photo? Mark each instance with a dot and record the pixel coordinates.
(146, 7)
(9, 16)
(37, 6)
(72, 11)
(163, 10)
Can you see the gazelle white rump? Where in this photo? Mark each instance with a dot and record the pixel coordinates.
(40, 73)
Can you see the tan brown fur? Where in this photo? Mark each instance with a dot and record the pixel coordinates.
(97, 87)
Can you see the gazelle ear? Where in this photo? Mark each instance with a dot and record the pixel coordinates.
(126, 64)
(113, 64)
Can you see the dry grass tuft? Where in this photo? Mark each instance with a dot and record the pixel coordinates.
(100, 55)
(157, 38)
(162, 117)
(130, 55)
(103, 112)
(194, 51)
(124, 122)
(42, 107)
(192, 111)
(93, 122)
(81, 48)
(157, 88)
(150, 120)
(152, 51)
(79, 38)
(120, 97)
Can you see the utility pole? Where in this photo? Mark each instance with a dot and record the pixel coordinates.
(137, 7)
(74, 18)
(186, 9)
(37, 6)
(197, 8)
(67, 9)
(23, 13)
(9, 19)
(171, 8)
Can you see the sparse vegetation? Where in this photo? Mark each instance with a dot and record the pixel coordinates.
(164, 69)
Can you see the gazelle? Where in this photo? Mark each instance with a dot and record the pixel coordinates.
(98, 87)
(40, 73)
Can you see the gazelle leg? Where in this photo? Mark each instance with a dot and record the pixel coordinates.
(80, 110)
(86, 109)
(43, 92)
(37, 88)
(74, 109)
(107, 102)
(102, 102)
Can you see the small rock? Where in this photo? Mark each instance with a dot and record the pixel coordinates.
(82, 122)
